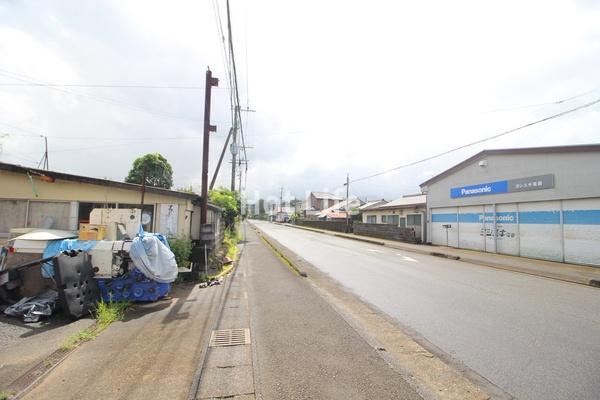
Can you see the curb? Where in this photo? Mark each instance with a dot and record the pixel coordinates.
(592, 283)
(276, 250)
(195, 386)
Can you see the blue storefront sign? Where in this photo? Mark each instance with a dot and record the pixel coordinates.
(480, 189)
(506, 186)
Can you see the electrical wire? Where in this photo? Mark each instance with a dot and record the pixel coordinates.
(116, 86)
(551, 103)
(102, 99)
(586, 105)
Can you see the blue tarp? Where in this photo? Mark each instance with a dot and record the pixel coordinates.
(55, 247)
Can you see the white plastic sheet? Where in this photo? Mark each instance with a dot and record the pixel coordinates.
(155, 260)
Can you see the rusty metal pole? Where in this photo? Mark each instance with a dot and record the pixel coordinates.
(143, 188)
(210, 82)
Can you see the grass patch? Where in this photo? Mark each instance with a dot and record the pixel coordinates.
(77, 338)
(4, 395)
(106, 314)
(230, 241)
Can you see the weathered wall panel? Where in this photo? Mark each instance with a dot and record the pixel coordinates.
(12, 215)
(470, 228)
(539, 226)
(507, 229)
(582, 231)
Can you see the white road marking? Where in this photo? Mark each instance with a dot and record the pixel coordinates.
(409, 259)
(375, 251)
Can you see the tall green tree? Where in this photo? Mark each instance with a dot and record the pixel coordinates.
(158, 171)
(230, 203)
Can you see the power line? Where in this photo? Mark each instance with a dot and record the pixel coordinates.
(561, 101)
(102, 99)
(116, 86)
(480, 141)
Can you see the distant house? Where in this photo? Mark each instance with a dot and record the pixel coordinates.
(406, 212)
(322, 200)
(318, 201)
(338, 211)
(371, 204)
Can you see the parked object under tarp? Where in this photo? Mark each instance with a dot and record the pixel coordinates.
(31, 309)
(151, 255)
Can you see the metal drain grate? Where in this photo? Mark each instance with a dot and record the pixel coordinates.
(230, 337)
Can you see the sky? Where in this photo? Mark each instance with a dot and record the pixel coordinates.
(338, 87)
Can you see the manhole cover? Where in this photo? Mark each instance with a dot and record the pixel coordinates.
(230, 337)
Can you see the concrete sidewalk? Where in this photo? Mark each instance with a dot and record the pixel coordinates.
(561, 271)
(303, 349)
(152, 354)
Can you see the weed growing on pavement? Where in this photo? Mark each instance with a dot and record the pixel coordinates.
(4, 395)
(107, 313)
(80, 337)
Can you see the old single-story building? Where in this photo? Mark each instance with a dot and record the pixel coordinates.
(32, 197)
(406, 212)
(539, 202)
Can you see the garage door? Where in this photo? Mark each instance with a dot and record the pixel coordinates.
(540, 230)
(444, 226)
(507, 229)
(471, 228)
(582, 231)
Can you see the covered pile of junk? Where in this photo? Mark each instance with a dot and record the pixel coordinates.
(109, 259)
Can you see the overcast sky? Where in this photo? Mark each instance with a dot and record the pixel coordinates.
(338, 86)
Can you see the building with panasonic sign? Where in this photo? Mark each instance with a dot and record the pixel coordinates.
(541, 202)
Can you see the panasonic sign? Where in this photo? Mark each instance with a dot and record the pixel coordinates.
(506, 186)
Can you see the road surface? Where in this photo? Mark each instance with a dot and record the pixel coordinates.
(535, 338)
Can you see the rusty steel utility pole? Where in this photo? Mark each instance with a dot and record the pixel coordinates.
(210, 82)
(143, 187)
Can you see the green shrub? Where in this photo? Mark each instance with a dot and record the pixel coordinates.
(182, 248)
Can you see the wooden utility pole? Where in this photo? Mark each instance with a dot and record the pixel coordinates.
(210, 82)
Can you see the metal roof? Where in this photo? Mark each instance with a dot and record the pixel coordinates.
(101, 182)
(403, 202)
(578, 148)
(372, 204)
(324, 195)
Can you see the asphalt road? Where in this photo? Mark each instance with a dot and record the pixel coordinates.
(535, 338)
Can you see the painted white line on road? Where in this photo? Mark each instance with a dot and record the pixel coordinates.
(375, 251)
(409, 259)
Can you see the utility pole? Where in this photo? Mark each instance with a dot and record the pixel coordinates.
(214, 178)
(44, 161)
(234, 147)
(210, 82)
(347, 204)
(143, 188)
(281, 200)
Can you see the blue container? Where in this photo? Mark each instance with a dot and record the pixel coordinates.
(133, 286)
